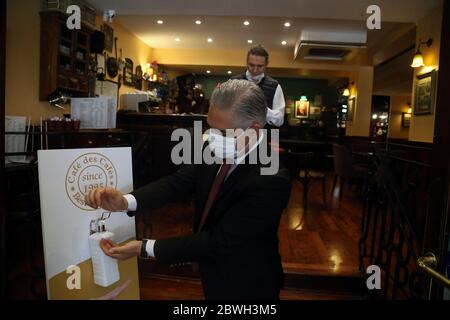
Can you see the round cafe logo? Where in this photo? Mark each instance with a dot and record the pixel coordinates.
(89, 171)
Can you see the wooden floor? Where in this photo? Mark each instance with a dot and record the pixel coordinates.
(321, 240)
(170, 288)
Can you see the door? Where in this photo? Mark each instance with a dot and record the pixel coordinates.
(438, 225)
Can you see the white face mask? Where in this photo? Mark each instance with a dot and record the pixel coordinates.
(257, 79)
(222, 146)
(254, 79)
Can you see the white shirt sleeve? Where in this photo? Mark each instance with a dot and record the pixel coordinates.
(275, 116)
(149, 247)
(132, 203)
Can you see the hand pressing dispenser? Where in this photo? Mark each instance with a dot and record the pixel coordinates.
(106, 270)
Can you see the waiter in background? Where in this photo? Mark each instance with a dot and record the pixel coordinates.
(257, 61)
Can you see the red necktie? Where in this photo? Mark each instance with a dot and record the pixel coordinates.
(218, 181)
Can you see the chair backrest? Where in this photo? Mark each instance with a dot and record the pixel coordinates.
(343, 161)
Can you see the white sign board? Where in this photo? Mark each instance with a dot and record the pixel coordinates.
(94, 113)
(13, 142)
(65, 176)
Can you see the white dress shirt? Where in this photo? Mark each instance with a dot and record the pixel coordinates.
(132, 202)
(132, 206)
(275, 116)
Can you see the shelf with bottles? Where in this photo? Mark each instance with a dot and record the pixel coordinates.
(81, 54)
(65, 47)
(69, 69)
(379, 125)
(65, 62)
(80, 67)
(380, 119)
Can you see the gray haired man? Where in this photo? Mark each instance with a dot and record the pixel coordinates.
(237, 209)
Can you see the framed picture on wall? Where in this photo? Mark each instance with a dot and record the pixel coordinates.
(351, 108)
(406, 119)
(301, 109)
(425, 93)
(315, 112)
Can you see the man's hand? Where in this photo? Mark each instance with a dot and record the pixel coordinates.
(107, 199)
(129, 250)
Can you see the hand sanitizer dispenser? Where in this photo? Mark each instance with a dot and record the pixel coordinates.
(105, 268)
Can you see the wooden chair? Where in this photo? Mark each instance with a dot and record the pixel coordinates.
(300, 164)
(346, 169)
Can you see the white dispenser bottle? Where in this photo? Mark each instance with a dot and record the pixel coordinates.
(106, 270)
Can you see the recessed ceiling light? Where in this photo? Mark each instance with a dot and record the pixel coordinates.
(287, 24)
(246, 23)
(229, 72)
(283, 43)
(198, 22)
(210, 40)
(177, 39)
(208, 71)
(160, 22)
(250, 41)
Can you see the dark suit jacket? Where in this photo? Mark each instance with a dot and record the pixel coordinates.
(237, 248)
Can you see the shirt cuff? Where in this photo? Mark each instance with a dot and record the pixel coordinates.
(132, 203)
(149, 247)
(275, 117)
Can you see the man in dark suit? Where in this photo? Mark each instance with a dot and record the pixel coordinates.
(238, 207)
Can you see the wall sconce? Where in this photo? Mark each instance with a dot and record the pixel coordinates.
(406, 120)
(346, 92)
(406, 117)
(418, 58)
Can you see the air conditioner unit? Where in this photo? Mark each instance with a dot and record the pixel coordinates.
(87, 11)
(332, 45)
